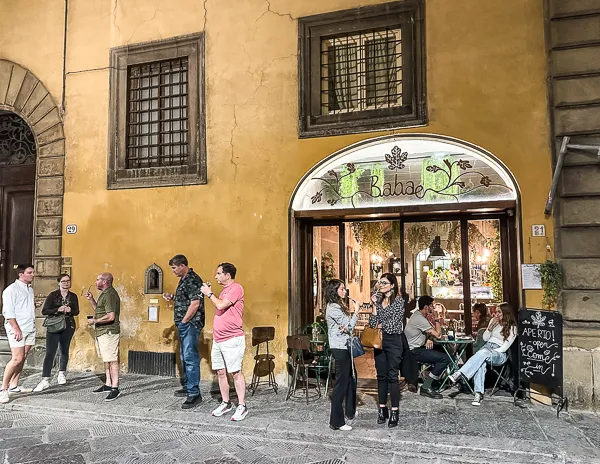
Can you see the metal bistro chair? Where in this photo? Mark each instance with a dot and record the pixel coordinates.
(500, 370)
(264, 364)
(319, 348)
(297, 346)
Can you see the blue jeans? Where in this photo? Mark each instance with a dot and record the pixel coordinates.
(476, 366)
(190, 359)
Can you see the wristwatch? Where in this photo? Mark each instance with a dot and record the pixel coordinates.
(210, 294)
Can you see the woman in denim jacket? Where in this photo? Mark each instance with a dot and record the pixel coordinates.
(340, 325)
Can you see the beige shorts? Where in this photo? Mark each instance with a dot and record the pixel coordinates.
(28, 337)
(228, 354)
(107, 347)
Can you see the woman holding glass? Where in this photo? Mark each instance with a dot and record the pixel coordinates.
(388, 313)
(340, 325)
(499, 336)
(60, 301)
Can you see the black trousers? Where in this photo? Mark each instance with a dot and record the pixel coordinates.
(387, 364)
(53, 342)
(439, 360)
(345, 388)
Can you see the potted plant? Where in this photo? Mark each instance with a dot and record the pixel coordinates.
(552, 279)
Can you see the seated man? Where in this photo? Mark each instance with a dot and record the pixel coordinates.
(417, 332)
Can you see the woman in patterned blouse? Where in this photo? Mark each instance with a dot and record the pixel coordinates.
(388, 313)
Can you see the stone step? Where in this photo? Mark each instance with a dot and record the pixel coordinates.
(580, 242)
(577, 119)
(581, 305)
(581, 274)
(572, 7)
(574, 30)
(580, 212)
(575, 60)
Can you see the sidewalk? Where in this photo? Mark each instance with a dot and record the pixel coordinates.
(449, 428)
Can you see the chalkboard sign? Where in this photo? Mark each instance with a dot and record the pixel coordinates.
(540, 348)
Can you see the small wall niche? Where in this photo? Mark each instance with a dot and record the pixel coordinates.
(153, 280)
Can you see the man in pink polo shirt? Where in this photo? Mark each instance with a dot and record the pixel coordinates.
(229, 342)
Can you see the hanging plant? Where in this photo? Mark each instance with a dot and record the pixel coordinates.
(371, 236)
(476, 238)
(418, 237)
(552, 279)
(328, 270)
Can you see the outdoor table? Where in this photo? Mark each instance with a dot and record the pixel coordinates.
(460, 345)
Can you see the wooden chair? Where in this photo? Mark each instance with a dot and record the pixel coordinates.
(297, 346)
(264, 363)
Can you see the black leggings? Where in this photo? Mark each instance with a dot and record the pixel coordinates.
(345, 388)
(53, 341)
(387, 364)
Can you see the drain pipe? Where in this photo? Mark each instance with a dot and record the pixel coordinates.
(64, 76)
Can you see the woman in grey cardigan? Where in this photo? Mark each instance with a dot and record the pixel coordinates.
(340, 326)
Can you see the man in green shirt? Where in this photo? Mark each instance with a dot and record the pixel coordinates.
(108, 332)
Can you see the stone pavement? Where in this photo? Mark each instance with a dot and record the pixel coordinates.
(146, 425)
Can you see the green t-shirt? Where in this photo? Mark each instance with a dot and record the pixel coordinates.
(108, 302)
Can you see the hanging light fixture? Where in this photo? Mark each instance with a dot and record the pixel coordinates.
(435, 249)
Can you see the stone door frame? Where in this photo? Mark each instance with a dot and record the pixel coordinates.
(23, 94)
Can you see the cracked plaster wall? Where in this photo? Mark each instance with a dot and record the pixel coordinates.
(485, 83)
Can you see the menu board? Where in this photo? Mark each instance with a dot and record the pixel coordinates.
(540, 347)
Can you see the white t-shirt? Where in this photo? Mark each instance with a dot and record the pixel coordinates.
(416, 329)
(18, 303)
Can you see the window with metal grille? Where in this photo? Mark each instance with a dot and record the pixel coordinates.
(362, 69)
(157, 126)
(361, 72)
(157, 114)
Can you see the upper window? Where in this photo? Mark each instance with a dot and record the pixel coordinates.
(157, 114)
(362, 70)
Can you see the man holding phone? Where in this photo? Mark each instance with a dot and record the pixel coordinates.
(229, 341)
(189, 319)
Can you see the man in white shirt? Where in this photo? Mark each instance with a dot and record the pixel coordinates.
(18, 309)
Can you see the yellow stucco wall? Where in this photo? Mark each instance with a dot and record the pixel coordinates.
(485, 84)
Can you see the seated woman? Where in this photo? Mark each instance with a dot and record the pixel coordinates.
(480, 322)
(499, 336)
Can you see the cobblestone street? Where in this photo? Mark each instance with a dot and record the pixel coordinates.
(146, 425)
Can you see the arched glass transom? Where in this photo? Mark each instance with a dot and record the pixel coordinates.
(404, 170)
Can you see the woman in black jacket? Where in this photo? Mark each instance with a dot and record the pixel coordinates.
(60, 301)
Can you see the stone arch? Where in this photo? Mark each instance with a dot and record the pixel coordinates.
(22, 93)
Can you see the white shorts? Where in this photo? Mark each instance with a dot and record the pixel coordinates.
(28, 337)
(228, 354)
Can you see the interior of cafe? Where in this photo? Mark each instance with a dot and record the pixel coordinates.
(428, 261)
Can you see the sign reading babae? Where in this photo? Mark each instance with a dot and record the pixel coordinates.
(540, 347)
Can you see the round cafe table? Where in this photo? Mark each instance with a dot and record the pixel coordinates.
(454, 349)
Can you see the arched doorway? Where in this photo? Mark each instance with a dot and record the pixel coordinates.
(439, 213)
(17, 189)
(27, 107)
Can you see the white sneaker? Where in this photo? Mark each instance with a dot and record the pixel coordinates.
(240, 413)
(4, 396)
(222, 409)
(17, 389)
(43, 385)
(454, 377)
(62, 378)
(477, 399)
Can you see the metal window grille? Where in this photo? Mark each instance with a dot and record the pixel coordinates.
(361, 71)
(157, 122)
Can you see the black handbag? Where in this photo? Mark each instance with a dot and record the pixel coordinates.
(55, 324)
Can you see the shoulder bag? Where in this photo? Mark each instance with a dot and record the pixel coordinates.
(55, 324)
(371, 337)
(355, 347)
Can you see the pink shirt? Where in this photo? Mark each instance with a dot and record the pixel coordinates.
(228, 322)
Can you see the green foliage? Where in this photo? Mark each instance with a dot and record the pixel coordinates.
(328, 270)
(552, 279)
(418, 237)
(438, 179)
(349, 182)
(476, 238)
(371, 236)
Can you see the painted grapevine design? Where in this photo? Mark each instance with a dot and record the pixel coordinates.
(332, 181)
